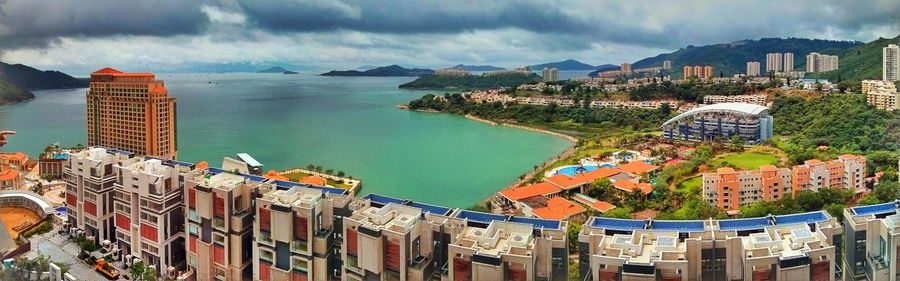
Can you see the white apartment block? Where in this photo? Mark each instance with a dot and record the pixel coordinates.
(816, 62)
(752, 68)
(760, 99)
(90, 179)
(502, 251)
(788, 62)
(788, 247)
(872, 242)
(774, 62)
(868, 86)
(891, 63)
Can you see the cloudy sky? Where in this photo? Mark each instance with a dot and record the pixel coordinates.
(169, 35)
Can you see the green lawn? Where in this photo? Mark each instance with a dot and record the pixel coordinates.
(690, 186)
(746, 160)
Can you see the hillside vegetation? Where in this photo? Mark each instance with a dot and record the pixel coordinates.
(860, 62)
(9, 93)
(29, 78)
(467, 82)
(732, 58)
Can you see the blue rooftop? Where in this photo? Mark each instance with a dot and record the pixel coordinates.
(434, 209)
(383, 200)
(744, 224)
(680, 226)
(877, 209)
(542, 223)
(805, 218)
(172, 162)
(484, 218)
(618, 224)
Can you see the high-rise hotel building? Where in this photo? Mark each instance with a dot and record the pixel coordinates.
(131, 111)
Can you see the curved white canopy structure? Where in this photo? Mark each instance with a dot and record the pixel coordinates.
(733, 107)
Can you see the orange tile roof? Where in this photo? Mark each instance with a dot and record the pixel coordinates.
(567, 182)
(14, 156)
(522, 192)
(107, 70)
(595, 204)
(8, 175)
(272, 174)
(768, 168)
(725, 170)
(202, 165)
(813, 161)
(116, 72)
(558, 209)
(314, 180)
(637, 167)
(631, 186)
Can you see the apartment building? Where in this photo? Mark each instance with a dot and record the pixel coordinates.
(759, 99)
(880, 94)
(890, 59)
(688, 72)
(90, 184)
(788, 247)
(708, 72)
(502, 251)
(698, 71)
(816, 62)
(132, 112)
(774, 62)
(872, 242)
(667, 65)
(626, 68)
(788, 62)
(550, 74)
(729, 189)
(752, 68)
(220, 224)
(867, 86)
(295, 236)
(149, 211)
(848, 171)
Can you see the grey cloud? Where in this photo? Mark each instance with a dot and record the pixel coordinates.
(37, 24)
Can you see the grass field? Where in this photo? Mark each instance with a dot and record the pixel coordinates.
(297, 176)
(691, 185)
(746, 160)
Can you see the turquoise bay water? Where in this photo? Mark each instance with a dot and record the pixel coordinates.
(342, 123)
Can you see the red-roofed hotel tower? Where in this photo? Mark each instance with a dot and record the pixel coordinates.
(131, 111)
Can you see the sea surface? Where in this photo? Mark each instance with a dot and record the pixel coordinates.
(347, 124)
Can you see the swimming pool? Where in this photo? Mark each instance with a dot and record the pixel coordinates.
(575, 169)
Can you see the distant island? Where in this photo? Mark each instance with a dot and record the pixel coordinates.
(477, 67)
(274, 69)
(568, 64)
(289, 72)
(467, 82)
(602, 68)
(386, 71)
(10, 93)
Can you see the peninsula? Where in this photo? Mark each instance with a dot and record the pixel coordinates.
(386, 71)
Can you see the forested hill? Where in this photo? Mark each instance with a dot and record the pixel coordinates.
(731, 58)
(860, 62)
(10, 93)
(29, 78)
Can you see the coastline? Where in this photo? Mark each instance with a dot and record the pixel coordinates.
(531, 173)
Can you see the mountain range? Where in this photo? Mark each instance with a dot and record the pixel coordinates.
(569, 64)
(860, 62)
(16, 81)
(732, 58)
(274, 69)
(477, 67)
(391, 70)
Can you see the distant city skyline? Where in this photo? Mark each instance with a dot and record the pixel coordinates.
(322, 35)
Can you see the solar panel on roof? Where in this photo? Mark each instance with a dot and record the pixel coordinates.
(806, 218)
(618, 224)
(877, 209)
(680, 226)
(744, 224)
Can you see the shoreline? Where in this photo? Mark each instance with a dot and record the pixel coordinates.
(528, 176)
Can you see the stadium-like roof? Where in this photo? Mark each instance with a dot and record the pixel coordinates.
(734, 107)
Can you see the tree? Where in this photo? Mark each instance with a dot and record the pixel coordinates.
(310, 167)
(737, 142)
(572, 232)
(140, 271)
(340, 174)
(620, 213)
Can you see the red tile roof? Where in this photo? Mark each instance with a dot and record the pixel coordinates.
(522, 192)
(559, 209)
(631, 186)
(637, 167)
(8, 175)
(567, 182)
(272, 174)
(314, 180)
(107, 70)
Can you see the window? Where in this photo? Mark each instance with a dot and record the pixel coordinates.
(265, 256)
(301, 265)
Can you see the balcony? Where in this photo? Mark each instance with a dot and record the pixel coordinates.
(219, 223)
(241, 221)
(265, 237)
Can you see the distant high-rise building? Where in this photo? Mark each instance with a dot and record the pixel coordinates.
(816, 62)
(774, 62)
(131, 111)
(667, 65)
(626, 68)
(752, 68)
(707, 71)
(688, 71)
(698, 71)
(891, 63)
(788, 62)
(551, 74)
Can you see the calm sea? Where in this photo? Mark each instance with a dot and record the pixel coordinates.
(342, 123)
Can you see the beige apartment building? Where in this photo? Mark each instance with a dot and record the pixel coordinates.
(90, 181)
(294, 234)
(132, 112)
(880, 94)
(759, 99)
(149, 211)
(220, 225)
(501, 251)
(788, 247)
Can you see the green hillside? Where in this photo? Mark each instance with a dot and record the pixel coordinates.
(467, 82)
(732, 58)
(860, 62)
(9, 93)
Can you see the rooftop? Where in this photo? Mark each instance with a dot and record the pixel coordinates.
(522, 192)
(733, 107)
(559, 209)
(637, 167)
